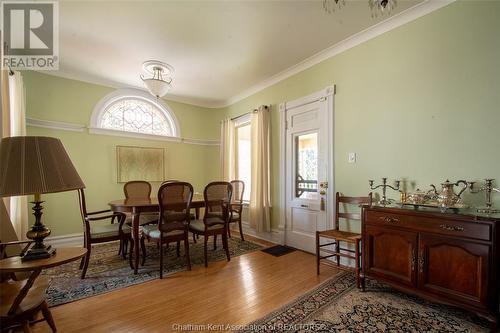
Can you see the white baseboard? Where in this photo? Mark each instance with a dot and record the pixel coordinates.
(65, 240)
(275, 236)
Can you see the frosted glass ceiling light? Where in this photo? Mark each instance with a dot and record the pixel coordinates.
(160, 80)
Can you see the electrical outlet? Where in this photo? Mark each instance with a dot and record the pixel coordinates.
(351, 158)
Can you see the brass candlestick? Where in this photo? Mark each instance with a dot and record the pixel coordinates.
(487, 188)
(384, 201)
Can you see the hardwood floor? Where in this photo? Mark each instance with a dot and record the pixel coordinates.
(236, 292)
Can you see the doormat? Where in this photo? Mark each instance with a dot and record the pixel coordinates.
(278, 250)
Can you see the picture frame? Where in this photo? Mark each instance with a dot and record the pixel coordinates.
(140, 163)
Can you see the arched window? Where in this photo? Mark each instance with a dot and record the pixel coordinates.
(134, 111)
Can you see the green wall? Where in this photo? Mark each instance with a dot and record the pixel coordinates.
(63, 100)
(420, 102)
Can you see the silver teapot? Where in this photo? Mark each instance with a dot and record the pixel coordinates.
(447, 197)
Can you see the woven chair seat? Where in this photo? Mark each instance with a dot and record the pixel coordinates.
(340, 235)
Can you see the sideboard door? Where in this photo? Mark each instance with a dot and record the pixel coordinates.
(454, 268)
(391, 254)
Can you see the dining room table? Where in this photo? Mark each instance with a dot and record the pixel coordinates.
(136, 207)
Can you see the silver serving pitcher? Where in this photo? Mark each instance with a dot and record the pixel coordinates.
(447, 197)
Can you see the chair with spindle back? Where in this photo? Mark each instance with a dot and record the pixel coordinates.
(236, 206)
(174, 199)
(337, 236)
(217, 199)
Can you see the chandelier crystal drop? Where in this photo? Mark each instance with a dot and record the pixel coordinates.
(377, 7)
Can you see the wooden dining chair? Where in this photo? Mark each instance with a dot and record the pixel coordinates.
(337, 236)
(139, 189)
(236, 206)
(100, 233)
(174, 199)
(217, 197)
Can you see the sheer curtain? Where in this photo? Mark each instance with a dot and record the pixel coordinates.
(18, 207)
(5, 131)
(228, 155)
(260, 200)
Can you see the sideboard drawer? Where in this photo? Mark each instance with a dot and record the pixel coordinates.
(466, 229)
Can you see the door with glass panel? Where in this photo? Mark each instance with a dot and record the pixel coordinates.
(307, 142)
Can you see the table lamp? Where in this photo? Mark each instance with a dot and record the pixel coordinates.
(36, 165)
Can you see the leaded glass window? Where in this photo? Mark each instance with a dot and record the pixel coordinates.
(136, 115)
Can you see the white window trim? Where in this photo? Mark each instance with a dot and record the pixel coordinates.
(243, 120)
(106, 101)
(240, 122)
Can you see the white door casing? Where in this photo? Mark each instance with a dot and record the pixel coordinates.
(307, 157)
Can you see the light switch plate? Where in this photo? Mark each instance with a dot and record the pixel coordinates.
(351, 158)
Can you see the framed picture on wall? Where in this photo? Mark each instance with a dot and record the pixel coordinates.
(140, 163)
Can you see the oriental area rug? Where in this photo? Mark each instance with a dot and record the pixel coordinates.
(338, 306)
(107, 271)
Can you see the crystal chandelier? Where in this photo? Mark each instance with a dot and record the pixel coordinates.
(160, 80)
(377, 7)
(331, 5)
(381, 7)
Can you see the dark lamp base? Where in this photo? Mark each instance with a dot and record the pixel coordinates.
(39, 253)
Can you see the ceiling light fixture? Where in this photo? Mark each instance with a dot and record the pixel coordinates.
(161, 81)
(331, 5)
(377, 7)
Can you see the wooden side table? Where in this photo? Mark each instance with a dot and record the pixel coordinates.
(15, 264)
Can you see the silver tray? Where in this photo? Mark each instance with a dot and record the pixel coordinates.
(434, 204)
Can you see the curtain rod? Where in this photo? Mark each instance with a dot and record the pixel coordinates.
(247, 113)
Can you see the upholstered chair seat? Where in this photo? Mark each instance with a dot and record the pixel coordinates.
(108, 230)
(144, 218)
(217, 197)
(198, 225)
(152, 231)
(174, 200)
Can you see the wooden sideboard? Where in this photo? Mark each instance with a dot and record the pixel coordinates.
(444, 257)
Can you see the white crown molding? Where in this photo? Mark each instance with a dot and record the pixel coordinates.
(378, 29)
(112, 84)
(57, 125)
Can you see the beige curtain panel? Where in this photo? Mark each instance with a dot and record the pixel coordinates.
(260, 201)
(15, 113)
(228, 147)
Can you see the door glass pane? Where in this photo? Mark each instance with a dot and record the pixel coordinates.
(306, 177)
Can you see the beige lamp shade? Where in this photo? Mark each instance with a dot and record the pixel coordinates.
(35, 165)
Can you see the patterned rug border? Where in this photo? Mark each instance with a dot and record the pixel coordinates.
(105, 287)
(324, 297)
(348, 286)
